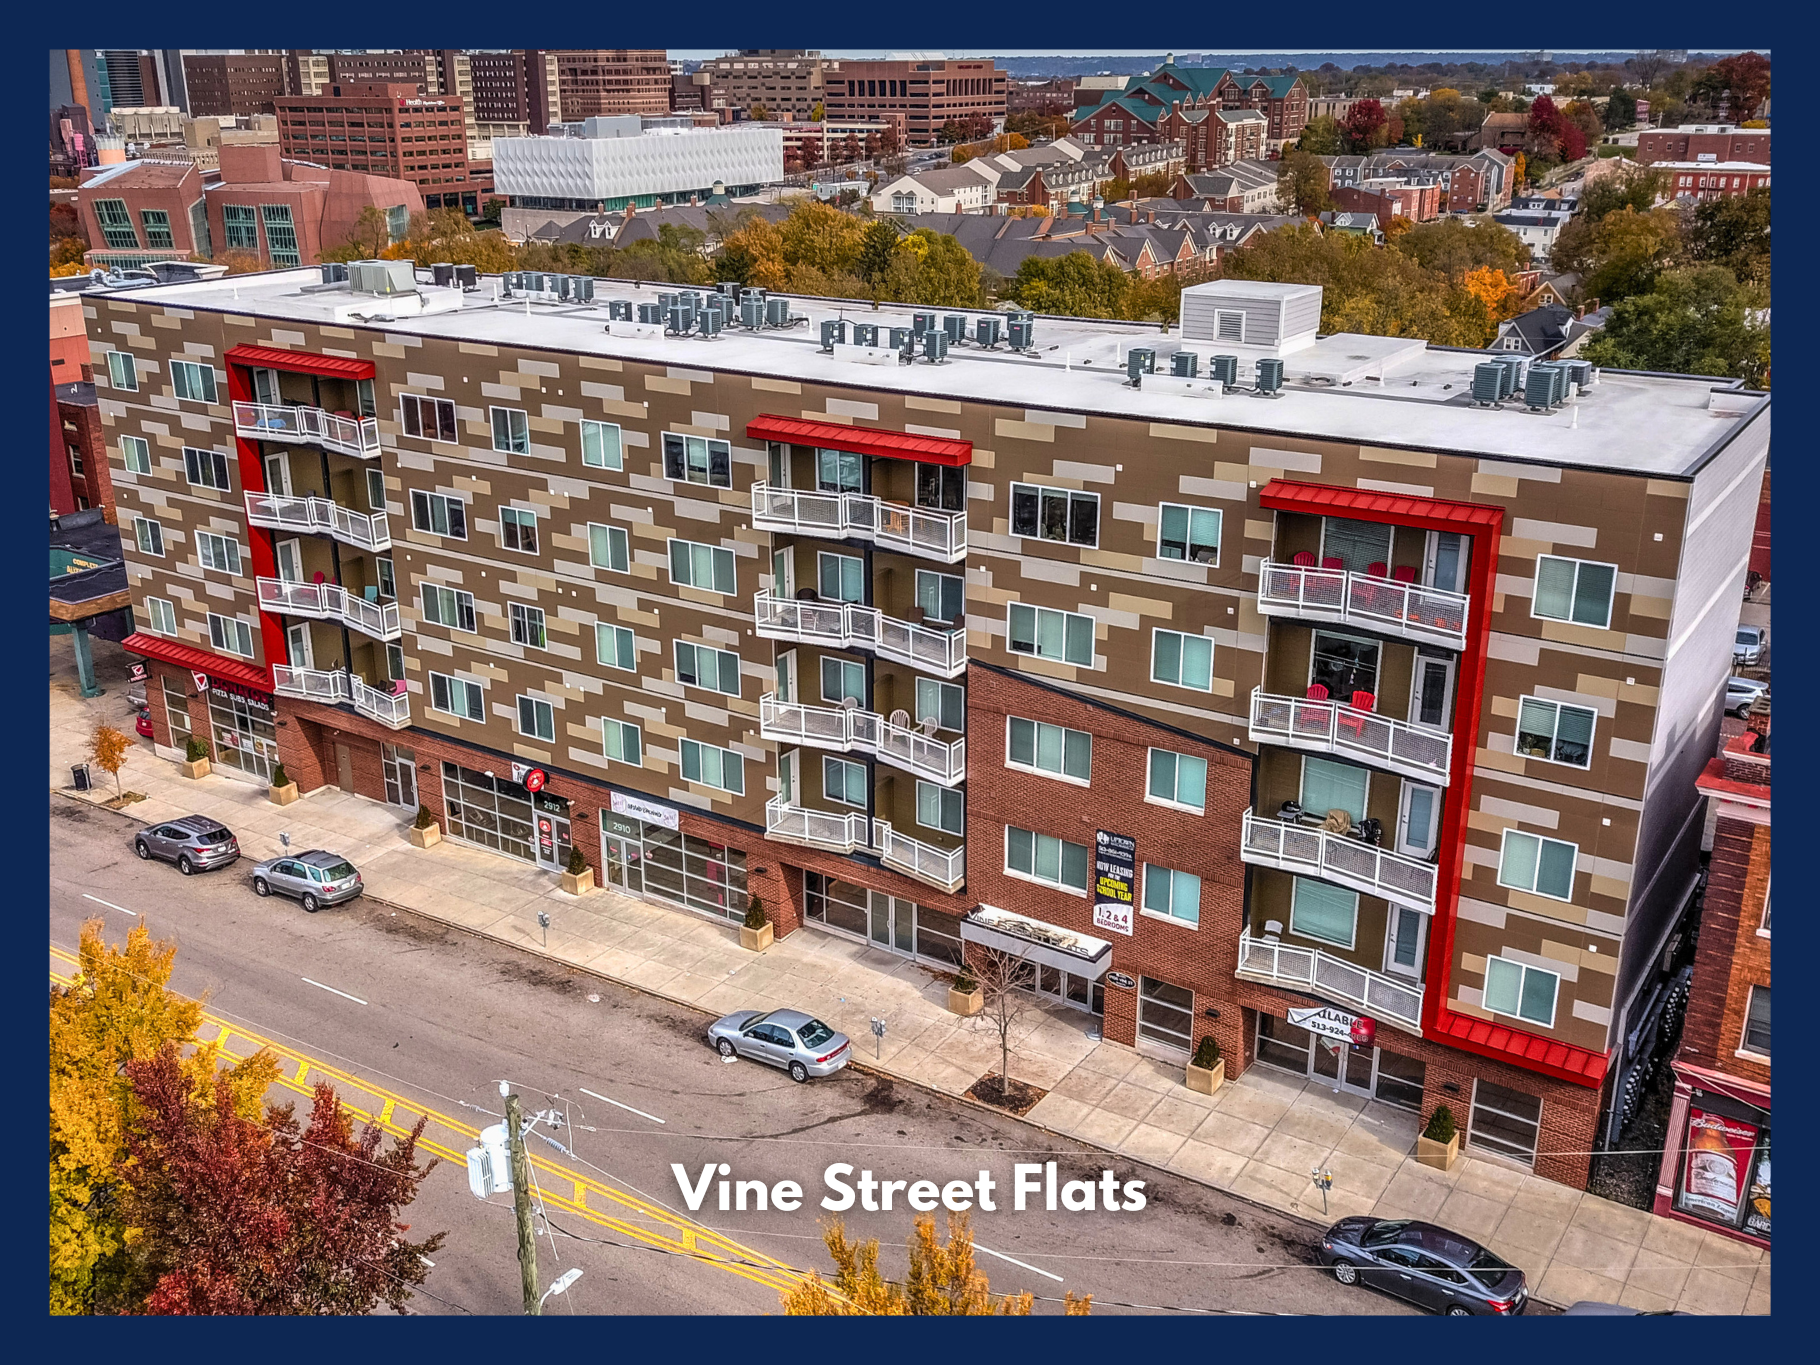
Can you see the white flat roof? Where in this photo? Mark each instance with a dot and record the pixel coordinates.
(1635, 423)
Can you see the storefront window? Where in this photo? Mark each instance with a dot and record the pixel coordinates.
(889, 922)
(684, 869)
(1507, 1122)
(244, 737)
(489, 811)
(1165, 1013)
(1401, 1080)
(1725, 1172)
(176, 712)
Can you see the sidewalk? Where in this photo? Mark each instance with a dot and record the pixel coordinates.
(1259, 1137)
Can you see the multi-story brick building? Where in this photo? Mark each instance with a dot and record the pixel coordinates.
(1716, 1169)
(1692, 141)
(925, 95)
(786, 82)
(1700, 181)
(386, 128)
(1136, 114)
(596, 82)
(1394, 703)
(77, 446)
(239, 83)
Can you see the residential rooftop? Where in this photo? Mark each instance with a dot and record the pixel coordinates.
(1345, 387)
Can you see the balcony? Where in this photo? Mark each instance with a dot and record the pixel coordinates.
(848, 833)
(850, 625)
(333, 687)
(356, 436)
(942, 867)
(1339, 858)
(1330, 727)
(850, 729)
(1392, 999)
(319, 516)
(1406, 610)
(330, 602)
(891, 525)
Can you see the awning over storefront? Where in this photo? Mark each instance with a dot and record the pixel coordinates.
(896, 445)
(198, 660)
(1049, 945)
(300, 362)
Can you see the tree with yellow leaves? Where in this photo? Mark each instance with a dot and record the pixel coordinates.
(116, 1010)
(943, 1280)
(108, 747)
(1497, 291)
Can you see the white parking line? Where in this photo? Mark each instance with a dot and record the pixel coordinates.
(1014, 1261)
(331, 990)
(628, 1108)
(110, 905)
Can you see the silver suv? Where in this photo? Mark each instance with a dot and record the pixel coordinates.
(316, 878)
(195, 843)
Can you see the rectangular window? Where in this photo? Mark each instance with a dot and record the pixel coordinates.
(231, 635)
(844, 782)
(221, 553)
(397, 217)
(942, 596)
(1756, 1021)
(149, 536)
(199, 229)
(449, 607)
(842, 679)
(1044, 858)
(518, 530)
(1520, 991)
(527, 626)
(1060, 514)
(456, 697)
(240, 227)
(615, 646)
(840, 578)
(163, 614)
(1179, 780)
(280, 234)
(697, 459)
(1555, 731)
(205, 468)
(376, 490)
(1328, 785)
(136, 454)
(712, 767)
(439, 514)
(1508, 1122)
(1175, 895)
(715, 669)
(193, 381)
(122, 371)
(1574, 590)
(609, 548)
(940, 808)
(1529, 862)
(694, 565)
(116, 224)
(1181, 660)
(430, 419)
(623, 742)
(1052, 749)
(1328, 914)
(1191, 533)
(946, 702)
(600, 446)
(511, 431)
(1063, 635)
(536, 718)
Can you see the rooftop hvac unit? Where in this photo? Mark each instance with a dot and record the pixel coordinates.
(1545, 387)
(583, 288)
(1184, 364)
(650, 313)
(467, 276)
(1488, 380)
(666, 301)
(382, 277)
(1579, 372)
(1270, 375)
(985, 331)
(559, 285)
(708, 322)
(1515, 367)
(1139, 361)
(922, 322)
(956, 327)
(1224, 368)
(678, 319)
(534, 281)
(442, 274)
(751, 312)
(1022, 331)
(728, 288)
(508, 281)
(865, 334)
(753, 292)
(834, 333)
(901, 337)
(777, 312)
(335, 272)
(619, 310)
(935, 345)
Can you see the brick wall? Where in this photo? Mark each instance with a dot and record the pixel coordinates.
(1732, 955)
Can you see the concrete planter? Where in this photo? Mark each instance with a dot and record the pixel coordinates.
(966, 1003)
(282, 796)
(194, 767)
(1207, 1079)
(1440, 1155)
(427, 837)
(576, 883)
(756, 940)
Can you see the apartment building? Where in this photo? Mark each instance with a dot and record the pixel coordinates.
(924, 95)
(786, 81)
(597, 82)
(1135, 114)
(238, 83)
(387, 128)
(1356, 726)
(516, 94)
(1699, 141)
(1704, 180)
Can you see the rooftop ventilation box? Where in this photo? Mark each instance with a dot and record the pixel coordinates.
(1276, 319)
(382, 277)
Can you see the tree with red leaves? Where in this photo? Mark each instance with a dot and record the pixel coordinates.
(1364, 126)
(241, 1217)
(1742, 82)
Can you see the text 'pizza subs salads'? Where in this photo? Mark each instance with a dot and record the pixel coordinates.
(1029, 1180)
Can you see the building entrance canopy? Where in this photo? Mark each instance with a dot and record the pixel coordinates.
(1048, 945)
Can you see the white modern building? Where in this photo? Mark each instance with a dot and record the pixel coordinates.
(626, 159)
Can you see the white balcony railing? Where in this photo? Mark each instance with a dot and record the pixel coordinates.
(1340, 858)
(943, 867)
(851, 625)
(847, 729)
(921, 531)
(1408, 610)
(1393, 999)
(320, 516)
(1329, 727)
(330, 602)
(356, 436)
(848, 833)
(334, 686)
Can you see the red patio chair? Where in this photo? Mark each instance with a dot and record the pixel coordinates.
(1333, 562)
(1304, 559)
(1404, 573)
(1378, 570)
(1317, 692)
(1310, 717)
(1355, 724)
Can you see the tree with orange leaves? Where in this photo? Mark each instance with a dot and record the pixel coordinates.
(1497, 291)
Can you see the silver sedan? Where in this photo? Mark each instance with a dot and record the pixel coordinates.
(799, 1043)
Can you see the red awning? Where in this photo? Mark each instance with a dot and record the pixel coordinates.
(300, 362)
(1360, 504)
(198, 660)
(896, 445)
(1561, 1060)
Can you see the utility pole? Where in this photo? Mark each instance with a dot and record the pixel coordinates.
(521, 1205)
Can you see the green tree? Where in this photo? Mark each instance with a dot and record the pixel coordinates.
(1620, 111)
(1621, 254)
(1453, 246)
(878, 244)
(1627, 186)
(1734, 232)
(947, 276)
(1697, 321)
(1321, 136)
(1302, 183)
(1074, 285)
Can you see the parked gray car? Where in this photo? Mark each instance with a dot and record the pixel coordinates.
(195, 843)
(799, 1043)
(316, 878)
(1428, 1265)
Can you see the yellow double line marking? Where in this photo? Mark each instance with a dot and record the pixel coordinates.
(635, 1219)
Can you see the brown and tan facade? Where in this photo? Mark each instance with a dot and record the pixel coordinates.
(1388, 702)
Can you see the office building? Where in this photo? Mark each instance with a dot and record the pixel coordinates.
(613, 162)
(239, 83)
(386, 128)
(597, 82)
(786, 82)
(926, 95)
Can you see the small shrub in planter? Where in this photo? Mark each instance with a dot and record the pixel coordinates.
(424, 819)
(964, 994)
(195, 750)
(1207, 1054)
(1439, 1143)
(755, 933)
(280, 778)
(577, 863)
(1440, 1125)
(755, 914)
(424, 831)
(1206, 1071)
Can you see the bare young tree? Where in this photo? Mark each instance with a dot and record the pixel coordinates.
(1006, 981)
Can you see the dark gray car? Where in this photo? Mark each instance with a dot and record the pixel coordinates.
(316, 878)
(799, 1043)
(1430, 1266)
(195, 843)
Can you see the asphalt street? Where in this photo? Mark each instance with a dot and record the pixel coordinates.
(442, 1017)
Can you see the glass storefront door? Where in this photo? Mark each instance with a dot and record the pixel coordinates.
(891, 923)
(646, 859)
(400, 766)
(1373, 1072)
(245, 741)
(1343, 1065)
(1065, 988)
(552, 816)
